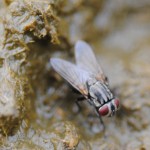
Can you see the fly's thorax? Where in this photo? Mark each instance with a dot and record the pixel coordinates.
(91, 81)
(100, 93)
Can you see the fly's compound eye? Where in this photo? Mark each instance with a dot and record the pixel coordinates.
(110, 108)
(116, 103)
(104, 110)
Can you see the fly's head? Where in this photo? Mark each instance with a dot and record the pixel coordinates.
(109, 108)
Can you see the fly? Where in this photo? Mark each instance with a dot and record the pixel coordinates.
(87, 77)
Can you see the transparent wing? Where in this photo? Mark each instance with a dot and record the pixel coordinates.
(86, 59)
(73, 74)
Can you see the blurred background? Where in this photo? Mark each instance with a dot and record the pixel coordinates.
(37, 108)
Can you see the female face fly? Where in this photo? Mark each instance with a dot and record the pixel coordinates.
(87, 77)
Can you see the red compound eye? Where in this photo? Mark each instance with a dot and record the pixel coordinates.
(117, 103)
(104, 110)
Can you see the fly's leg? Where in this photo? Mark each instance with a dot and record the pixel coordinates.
(101, 122)
(77, 102)
(102, 125)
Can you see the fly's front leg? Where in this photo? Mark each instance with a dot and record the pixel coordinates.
(102, 123)
(77, 102)
(97, 114)
(101, 120)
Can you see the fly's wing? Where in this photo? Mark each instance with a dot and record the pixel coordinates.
(86, 59)
(73, 74)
